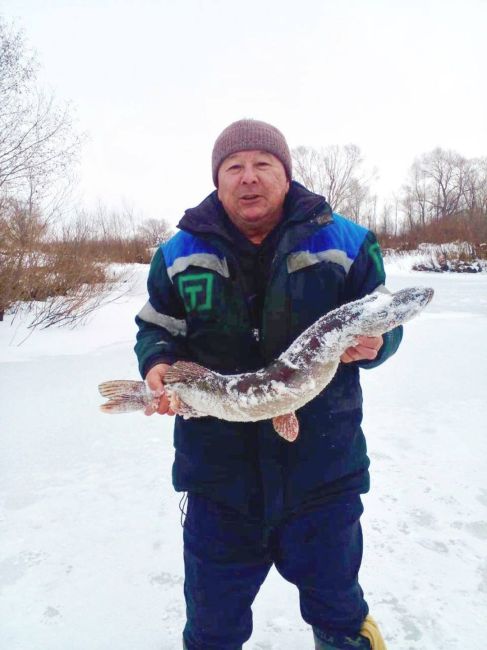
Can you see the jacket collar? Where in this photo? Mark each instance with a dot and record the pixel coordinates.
(300, 207)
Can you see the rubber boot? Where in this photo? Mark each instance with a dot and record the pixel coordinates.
(370, 631)
(340, 642)
(369, 638)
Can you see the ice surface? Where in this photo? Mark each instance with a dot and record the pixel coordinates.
(90, 543)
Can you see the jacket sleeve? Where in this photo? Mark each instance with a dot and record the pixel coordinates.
(366, 275)
(161, 321)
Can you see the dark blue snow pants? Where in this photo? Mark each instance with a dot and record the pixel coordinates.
(227, 558)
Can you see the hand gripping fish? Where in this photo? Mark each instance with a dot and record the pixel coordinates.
(293, 379)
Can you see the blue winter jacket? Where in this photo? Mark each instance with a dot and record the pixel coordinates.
(197, 310)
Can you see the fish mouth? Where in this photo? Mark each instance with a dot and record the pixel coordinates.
(422, 295)
(428, 294)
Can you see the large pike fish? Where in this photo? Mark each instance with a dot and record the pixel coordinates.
(293, 379)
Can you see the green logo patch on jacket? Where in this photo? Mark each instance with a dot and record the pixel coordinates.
(196, 291)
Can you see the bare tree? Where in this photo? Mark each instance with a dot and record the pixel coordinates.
(37, 148)
(37, 141)
(474, 185)
(444, 171)
(154, 232)
(342, 169)
(385, 227)
(361, 205)
(309, 169)
(482, 187)
(437, 186)
(415, 197)
(443, 184)
(336, 172)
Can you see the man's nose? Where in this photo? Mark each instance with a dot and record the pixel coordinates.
(249, 174)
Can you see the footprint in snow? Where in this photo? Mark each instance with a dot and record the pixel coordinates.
(476, 528)
(423, 518)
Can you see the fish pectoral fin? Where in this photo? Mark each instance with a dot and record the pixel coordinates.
(181, 408)
(184, 372)
(287, 426)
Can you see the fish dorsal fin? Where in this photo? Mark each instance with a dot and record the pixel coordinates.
(287, 426)
(185, 372)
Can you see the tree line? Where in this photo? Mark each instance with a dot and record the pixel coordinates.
(443, 199)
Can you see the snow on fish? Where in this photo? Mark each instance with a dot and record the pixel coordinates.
(297, 376)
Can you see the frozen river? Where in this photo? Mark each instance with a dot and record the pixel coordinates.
(90, 549)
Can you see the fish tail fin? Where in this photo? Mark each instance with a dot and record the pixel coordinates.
(123, 396)
(185, 371)
(119, 387)
(120, 406)
(287, 426)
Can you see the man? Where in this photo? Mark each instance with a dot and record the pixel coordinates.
(258, 261)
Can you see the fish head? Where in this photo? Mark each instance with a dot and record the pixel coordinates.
(381, 312)
(412, 300)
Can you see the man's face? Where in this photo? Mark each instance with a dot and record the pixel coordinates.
(252, 186)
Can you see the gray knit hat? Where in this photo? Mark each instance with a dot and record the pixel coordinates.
(247, 135)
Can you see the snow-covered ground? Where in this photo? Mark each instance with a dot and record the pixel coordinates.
(90, 542)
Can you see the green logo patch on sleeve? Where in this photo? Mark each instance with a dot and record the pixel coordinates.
(375, 254)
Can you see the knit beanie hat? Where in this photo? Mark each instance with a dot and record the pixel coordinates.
(247, 135)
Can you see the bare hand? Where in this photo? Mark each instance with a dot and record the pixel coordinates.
(155, 381)
(366, 349)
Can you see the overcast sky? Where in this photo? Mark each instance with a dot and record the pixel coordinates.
(155, 81)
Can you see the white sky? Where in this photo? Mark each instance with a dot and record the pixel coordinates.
(155, 81)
